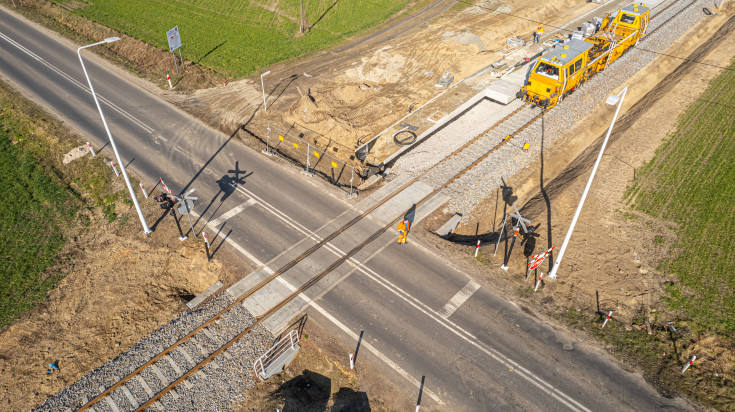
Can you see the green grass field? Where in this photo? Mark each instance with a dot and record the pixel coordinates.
(691, 182)
(34, 210)
(42, 202)
(240, 37)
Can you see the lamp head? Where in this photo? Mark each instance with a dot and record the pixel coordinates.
(613, 99)
(111, 39)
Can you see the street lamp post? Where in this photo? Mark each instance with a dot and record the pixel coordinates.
(611, 100)
(262, 86)
(143, 222)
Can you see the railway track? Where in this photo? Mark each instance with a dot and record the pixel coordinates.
(186, 357)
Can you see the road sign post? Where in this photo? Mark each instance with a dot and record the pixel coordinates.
(182, 236)
(186, 204)
(174, 42)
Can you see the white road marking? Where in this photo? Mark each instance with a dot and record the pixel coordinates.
(232, 212)
(459, 299)
(367, 345)
(78, 84)
(451, 326)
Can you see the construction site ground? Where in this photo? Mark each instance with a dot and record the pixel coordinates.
(85, 320)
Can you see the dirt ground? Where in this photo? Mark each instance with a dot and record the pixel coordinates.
(119, 286)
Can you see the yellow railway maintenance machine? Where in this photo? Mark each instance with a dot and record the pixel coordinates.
(568, 65)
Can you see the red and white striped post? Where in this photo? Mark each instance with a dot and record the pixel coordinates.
(477, 248)
(165, 187)
(114, 169)
(689, 363)
(206, 242)
(538, 281)
(606, 319)
(352, 361)
(91, 150)
(144, 192)
(170, 86)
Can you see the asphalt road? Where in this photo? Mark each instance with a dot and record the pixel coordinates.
(483, 353)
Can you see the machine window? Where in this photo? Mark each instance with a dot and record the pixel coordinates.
(548, 70)
(627, 19)
(578, 65)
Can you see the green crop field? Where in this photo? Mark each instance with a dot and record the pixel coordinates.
(240, 36)
(33, 211)
(691, 182)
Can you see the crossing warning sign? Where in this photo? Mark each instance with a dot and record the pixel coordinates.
(174, 39)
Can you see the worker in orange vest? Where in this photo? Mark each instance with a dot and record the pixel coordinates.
(403, 228)
(537, 35)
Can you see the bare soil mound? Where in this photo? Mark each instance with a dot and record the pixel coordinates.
(119, 287)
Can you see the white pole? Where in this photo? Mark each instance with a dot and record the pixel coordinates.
(114, 169)
(606, 319)
(144, 192)
(352, 361)
(262, 86)
(170, 86)
(91, 150)
(477, 248)
(143, 222)
(555, 268)
(689, 364)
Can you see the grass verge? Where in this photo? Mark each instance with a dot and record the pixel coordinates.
(42, 201)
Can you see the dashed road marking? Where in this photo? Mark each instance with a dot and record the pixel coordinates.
(459, 299)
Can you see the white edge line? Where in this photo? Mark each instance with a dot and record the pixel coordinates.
(367, 345)
(456, 329)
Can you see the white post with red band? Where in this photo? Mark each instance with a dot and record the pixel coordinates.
(170, 86)
(114, 169)
(689, 363)
(352, 361)
(606, 319)
(477, 248)
(538, 282)
(206, 239)
(91, 150)
(144, 192)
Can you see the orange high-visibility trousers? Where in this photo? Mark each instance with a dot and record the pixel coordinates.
(403, 231)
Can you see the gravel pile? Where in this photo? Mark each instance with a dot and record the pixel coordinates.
(479, 182)
(220, 385)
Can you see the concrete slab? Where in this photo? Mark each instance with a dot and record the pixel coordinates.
(430, 206)
(248, 282)
(399, 204)
(204, 295)
(264, 299)
(502, 91)
(383, 192)
(450, 225)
